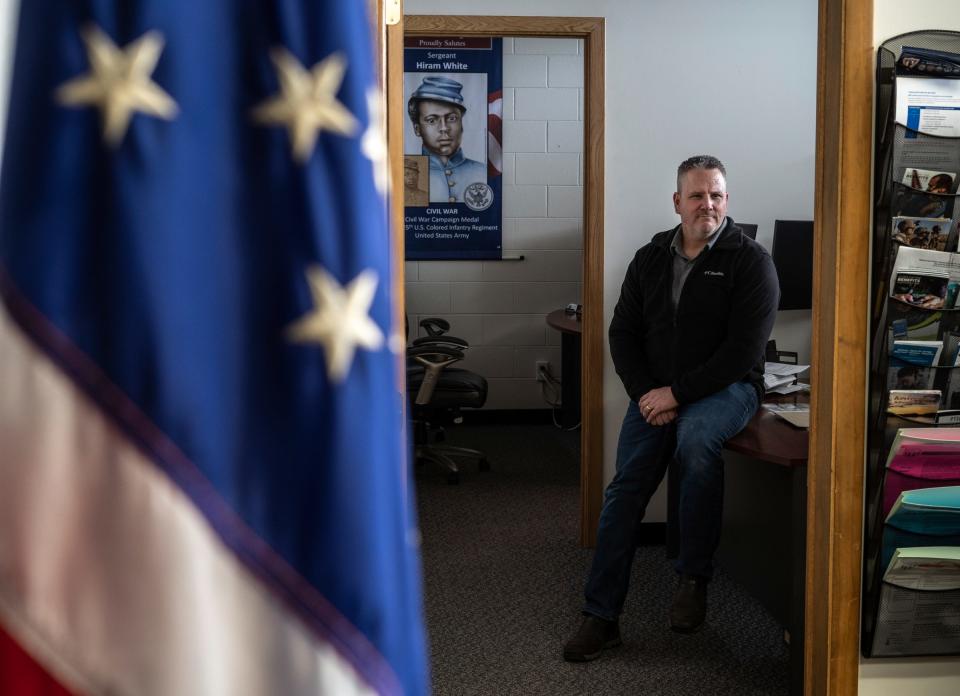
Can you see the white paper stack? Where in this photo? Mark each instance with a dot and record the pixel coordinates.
(781, 378)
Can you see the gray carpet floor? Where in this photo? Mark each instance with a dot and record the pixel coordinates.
(503, 579)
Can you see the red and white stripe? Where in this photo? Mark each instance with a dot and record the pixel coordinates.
(494, 133)
(111, 581)
(21, 675)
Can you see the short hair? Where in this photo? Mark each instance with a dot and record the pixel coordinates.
(413, 108)
(699, 162)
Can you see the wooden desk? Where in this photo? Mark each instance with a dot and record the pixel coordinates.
(570, 328)
(770, 438)
(763, 542)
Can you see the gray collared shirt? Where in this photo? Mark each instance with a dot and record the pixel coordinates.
(682, 265)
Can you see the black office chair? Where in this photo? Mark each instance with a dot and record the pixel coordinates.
(438, 392)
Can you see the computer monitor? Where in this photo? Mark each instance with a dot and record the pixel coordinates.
(793, 256)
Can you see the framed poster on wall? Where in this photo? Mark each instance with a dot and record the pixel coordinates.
(452, 147)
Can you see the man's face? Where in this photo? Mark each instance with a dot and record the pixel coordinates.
(440, 126)
(701, 202)
(411, 177)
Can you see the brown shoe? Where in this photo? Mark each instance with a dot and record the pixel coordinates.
(595, 635)
(689, 604)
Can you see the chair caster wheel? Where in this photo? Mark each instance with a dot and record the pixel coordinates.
(483, 465)
(453, 478)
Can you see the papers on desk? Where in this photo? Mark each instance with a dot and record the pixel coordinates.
(789, 388)
(795, 414)
(781, 378)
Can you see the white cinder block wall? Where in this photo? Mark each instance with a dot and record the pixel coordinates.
(500, 307)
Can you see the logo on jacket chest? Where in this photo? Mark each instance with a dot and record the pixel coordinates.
(718, 274)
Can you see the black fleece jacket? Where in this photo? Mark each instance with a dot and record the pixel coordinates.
(718, 334)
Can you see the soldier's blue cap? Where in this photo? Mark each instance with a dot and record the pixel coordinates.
(441, 89)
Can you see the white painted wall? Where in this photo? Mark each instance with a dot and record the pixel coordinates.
(500, 307)
(914, 676)
(734, 79)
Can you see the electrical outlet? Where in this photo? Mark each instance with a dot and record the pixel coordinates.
(543, 367)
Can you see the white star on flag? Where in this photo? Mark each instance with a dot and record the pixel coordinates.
(119, 82)
(374, 144)
(307, 103)
(339, 320)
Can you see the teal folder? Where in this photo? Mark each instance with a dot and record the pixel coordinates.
(922, 517)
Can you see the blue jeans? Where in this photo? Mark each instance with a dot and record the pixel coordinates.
(694, 440)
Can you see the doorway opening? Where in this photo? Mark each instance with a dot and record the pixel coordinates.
(590, 32)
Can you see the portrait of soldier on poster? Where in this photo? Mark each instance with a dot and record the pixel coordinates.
(437, 112)
(452, 152)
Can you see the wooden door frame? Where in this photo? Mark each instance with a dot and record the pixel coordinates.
(590, 29)
(839, 350)
(842, 215)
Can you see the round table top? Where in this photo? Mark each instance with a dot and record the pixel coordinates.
(567, 323)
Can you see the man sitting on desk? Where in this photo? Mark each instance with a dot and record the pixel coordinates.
(687, 340)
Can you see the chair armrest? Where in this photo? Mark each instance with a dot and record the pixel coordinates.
(434, 358)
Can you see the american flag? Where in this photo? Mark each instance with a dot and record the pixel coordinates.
(203, 478)
(494, 133)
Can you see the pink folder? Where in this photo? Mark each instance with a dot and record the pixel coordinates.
(930, 469)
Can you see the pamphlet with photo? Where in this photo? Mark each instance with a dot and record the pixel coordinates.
(929, 180)
(910, 364)
(921, 289)
(921, 233)
(913, 402)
